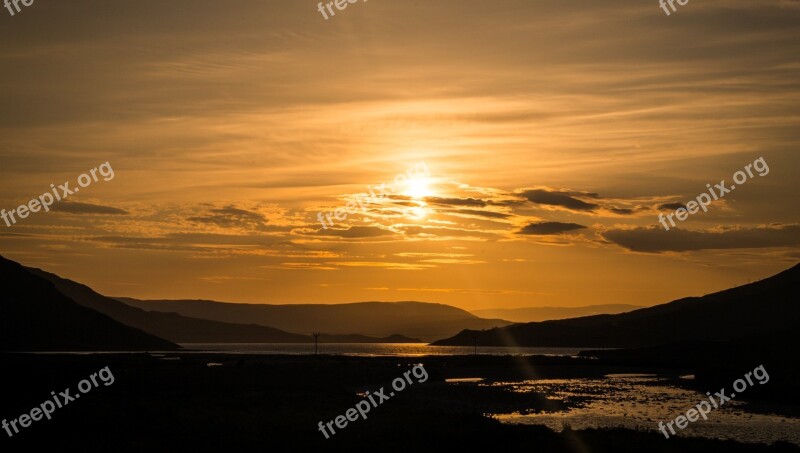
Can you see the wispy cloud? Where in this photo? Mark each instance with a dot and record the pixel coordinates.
(73, 207)
(656, 239)
(547, 228)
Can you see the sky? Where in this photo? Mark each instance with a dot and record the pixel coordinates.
(551, 134)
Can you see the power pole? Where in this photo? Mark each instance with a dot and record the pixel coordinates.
(316, 339)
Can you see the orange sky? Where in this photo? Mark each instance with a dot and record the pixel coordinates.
(553, 132)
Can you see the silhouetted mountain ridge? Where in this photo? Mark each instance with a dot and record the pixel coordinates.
(427, 321)
(37, 317)
(536, 314)
(769, 304)
(182, 329)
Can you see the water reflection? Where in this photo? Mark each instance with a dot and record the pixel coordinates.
(640, 402)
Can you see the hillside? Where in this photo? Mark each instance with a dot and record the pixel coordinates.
(767, 305)
(426, 321)
(182, 329)
(535, 314)
(37, 317)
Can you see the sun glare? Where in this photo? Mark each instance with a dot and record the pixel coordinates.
(418, 188)
(417, 213)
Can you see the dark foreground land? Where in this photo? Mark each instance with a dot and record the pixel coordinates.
(273, 404)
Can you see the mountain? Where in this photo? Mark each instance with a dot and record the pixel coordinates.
(182, 329)
(37, 317)
(772, 346)
(767, 305)
(534, 314)
(426, 321)
(356, 338)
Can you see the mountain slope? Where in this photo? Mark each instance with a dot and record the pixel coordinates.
(770, 304)
(427, 321)
(536, 314)
(37, 317)
(182, 329)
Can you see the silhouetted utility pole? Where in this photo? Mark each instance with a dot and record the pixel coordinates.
(316, 339)
(475, 340)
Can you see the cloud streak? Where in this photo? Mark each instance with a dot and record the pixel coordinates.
(549, 228)
(73, 207)
(658, 240)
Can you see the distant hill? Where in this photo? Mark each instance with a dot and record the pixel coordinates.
(182, 329)
(535, 314)
(37, 317)
(767, 305)
(427, 321)
(356, 338)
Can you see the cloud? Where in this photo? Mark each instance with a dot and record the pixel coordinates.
(72, 207)
(475, 202)
(231, 217)
(451, 261)
(548, 228)
(671, 206)
(561, 199)
(228, 278)
(623, 211)
(303, 266)
(588, 203)
(383, 265)
(475, 212)
(409, 204)
(432, 254)
(356, 232)
(658, 240)
(443, 232)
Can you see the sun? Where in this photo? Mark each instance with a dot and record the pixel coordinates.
(418, 188)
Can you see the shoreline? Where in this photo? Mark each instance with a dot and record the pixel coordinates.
(212, 401)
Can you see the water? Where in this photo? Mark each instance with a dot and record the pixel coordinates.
(370, 349)
(641, 401)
